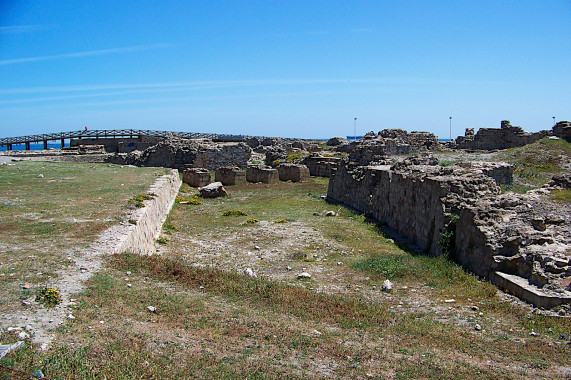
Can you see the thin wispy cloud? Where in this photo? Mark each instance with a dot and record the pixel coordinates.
(17, 29)
(190, 85)
(83, 54)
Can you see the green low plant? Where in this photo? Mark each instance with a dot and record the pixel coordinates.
(137, 200)
(281, 221)
(190, 201)
(234, 213)
(251, 221)
(162, 241)
(169, 228)
(48, 296)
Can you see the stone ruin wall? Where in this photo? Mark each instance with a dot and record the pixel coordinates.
(320, 166)
(179, 153)
(507, 136)
(517, 241)
(293, 172)
(141, 237)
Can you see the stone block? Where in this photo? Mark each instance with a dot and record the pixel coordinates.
(259, 173)
(293, 172)
(230, 175)
(196, 177)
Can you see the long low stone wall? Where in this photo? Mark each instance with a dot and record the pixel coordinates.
(141, 237)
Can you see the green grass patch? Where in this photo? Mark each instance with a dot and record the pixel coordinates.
(563, 195)
(234, 213)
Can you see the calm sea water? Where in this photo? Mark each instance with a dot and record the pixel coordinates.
(34, 146)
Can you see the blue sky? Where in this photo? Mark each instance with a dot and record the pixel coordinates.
(283, 68)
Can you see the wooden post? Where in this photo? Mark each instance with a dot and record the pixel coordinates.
(62, 143)
(9, 147)
(45, 144)
(27, 145)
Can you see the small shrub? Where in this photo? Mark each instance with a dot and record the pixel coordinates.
(294, 157)
(189, 201)
(251, 221)
(280, 221)
(169, 228)
(276, 163)
(162, 241)
(132, 221)
(234, 213)
(48, 296)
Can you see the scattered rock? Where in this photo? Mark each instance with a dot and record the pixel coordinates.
(129, 285)
(387, 286)
(250, 273)
(451, 300)
(339, 263)
(475, 308)
(533, 333)
(330, 213)
(70, 316)
(152, 309)
(23, 335)
(128, 273)
(316, 214)
(303, 275)
(316, 333)
(40, 176)
(214, 190)
(478, 327)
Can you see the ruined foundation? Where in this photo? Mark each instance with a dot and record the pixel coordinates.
(293, 172)
(196, 177)
(259, 173)
(230, 176)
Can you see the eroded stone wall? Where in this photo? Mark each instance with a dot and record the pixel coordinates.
(507, 136)
(293, 172)
(520, 242)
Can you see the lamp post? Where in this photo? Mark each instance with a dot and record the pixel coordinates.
(355, 129)
(450, 128)
(554, 121)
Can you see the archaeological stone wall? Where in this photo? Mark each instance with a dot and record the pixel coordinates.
(230, 175)
(415, 201)
(519, 242)
(179, 153)
(507, 136)
(293, 172)
(320, 166)
(260, 173)
(141, 237)
(196, 177)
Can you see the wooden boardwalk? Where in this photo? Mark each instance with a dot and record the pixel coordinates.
(114, 133)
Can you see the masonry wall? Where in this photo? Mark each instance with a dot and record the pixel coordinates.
(141, 238)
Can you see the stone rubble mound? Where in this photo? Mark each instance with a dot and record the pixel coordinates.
(177, 153)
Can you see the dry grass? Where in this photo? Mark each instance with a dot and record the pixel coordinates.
(211, 321)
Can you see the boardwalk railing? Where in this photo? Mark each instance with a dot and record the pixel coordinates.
(118, 133)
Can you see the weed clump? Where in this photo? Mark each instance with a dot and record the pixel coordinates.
(162, 241)
(188, 201)
(234, 213)
(137, 200)
(281, 221)
(48, 296)
(251, 221)
(169, 228)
